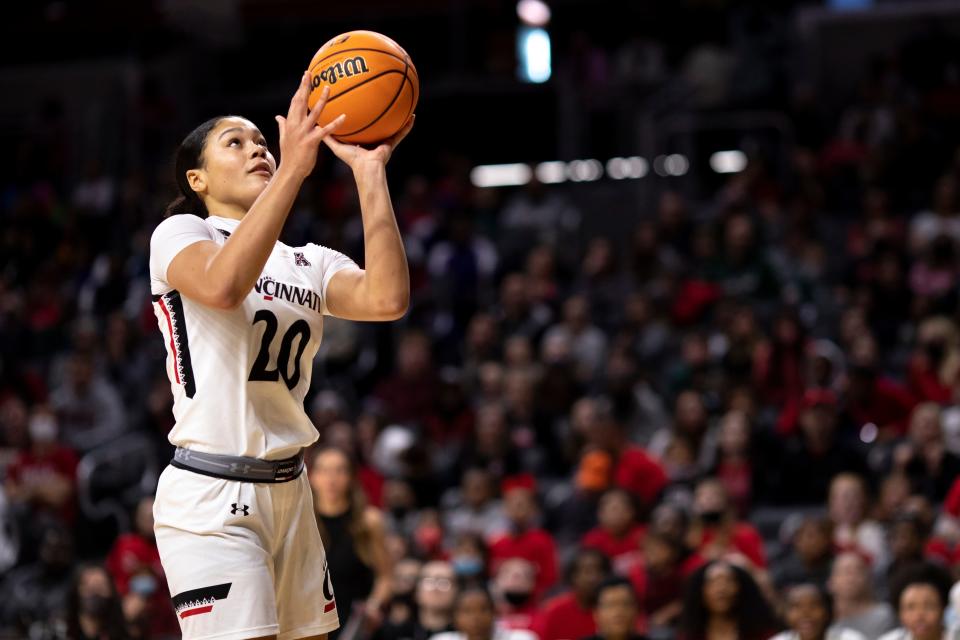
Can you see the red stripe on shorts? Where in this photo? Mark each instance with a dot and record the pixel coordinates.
(193, 612)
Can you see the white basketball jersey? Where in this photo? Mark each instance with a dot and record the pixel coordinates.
(239, 377)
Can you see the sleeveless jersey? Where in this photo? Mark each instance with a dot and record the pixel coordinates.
(239, 376)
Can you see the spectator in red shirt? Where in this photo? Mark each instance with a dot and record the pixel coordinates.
(134, 565)
(873, 398)
(933, 364)
(525, 540)
(715, 531)
(514, 591)
(658, 580)
(635, 470)
(570, 615)
(43, 475)
(619, 535)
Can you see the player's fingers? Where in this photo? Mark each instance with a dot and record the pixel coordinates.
(298, 104)
(281, 124)
(339, 148)
(400, 135)
(321, 103)
(324, 132)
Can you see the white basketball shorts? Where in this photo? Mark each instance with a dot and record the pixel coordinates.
(242, 559)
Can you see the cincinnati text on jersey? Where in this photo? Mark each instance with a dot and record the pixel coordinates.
(271, 289)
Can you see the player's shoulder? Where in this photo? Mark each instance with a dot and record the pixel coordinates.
(182, 223)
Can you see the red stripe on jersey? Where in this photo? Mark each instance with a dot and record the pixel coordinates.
(330, 606)
(173, 346)
(193, 612)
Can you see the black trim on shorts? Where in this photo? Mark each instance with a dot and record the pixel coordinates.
(219, 476)
(216, 592)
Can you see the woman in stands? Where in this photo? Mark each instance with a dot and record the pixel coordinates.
(242, 315)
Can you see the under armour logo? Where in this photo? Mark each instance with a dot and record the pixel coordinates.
(239, 467)
(301, 259)
(244, 508)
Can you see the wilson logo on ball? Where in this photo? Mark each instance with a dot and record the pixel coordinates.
(346, 69)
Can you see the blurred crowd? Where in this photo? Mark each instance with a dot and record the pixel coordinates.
(740, 418)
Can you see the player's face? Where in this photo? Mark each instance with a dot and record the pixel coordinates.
(236, 164)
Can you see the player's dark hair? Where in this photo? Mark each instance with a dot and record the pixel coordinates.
(189, 156)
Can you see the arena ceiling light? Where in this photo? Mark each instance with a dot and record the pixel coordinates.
(501, 175)
(625, 168)
(728, 161)
(585, 170)
(553, 172)
(533, 13)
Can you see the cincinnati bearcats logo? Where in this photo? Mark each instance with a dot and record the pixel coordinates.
(240, 508)
(328, 590)
(301, 259)
(197, 601)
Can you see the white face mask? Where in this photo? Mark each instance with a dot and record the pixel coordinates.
(43, 428)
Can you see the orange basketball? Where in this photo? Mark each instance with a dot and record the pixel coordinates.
(372, 80)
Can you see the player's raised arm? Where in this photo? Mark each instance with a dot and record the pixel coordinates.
(235, 158)
(381, 290)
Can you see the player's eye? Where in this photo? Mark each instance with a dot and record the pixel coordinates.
(233, 141)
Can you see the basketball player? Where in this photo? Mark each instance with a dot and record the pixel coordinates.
(242, 317)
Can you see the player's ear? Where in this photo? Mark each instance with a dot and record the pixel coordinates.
(197, 179)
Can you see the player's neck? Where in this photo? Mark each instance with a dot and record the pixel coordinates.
(225, 210)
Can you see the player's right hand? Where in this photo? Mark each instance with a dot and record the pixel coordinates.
(299, 134)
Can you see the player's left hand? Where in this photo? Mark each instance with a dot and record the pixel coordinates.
(356, 156)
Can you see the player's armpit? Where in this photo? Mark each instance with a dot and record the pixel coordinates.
(350, 296)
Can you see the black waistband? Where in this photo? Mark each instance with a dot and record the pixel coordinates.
(238, 468)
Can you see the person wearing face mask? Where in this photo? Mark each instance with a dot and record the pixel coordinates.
(134, 565)
(525, 540)
(921, 594)
(93, 611)
(715, 531)
(514, 592)
(469, 559)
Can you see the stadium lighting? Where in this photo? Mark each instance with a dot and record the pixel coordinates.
(553, 172)
(624, 168)
(533, 44)
(676, 164)
(501, 175)
(728, 161)
(533, 13)
(585, 170)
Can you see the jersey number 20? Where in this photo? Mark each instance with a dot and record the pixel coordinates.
(260, 372)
